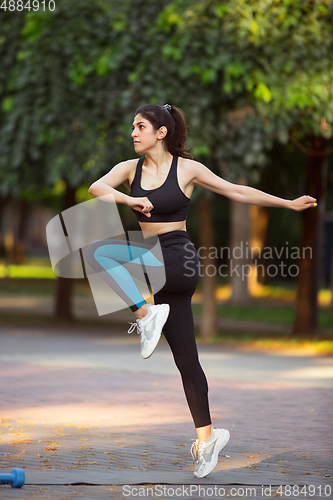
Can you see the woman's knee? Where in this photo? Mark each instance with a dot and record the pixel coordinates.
(97, 255)
(187, 363)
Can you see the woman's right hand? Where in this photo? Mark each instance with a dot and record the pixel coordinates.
(142, 205)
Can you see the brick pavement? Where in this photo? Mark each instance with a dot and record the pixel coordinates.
(99, 424)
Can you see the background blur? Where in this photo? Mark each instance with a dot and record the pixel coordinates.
(254, 80)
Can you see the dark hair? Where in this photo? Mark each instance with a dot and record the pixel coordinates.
(174, 121)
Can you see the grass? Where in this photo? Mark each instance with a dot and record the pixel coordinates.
(318, 343)
(314, 344)
(263, 313)
(261, 310)
(37, 287)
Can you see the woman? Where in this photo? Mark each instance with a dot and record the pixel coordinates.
(161, 184)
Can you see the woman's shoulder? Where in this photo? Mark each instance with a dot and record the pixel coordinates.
(188, 162)
(189, 166)
(128, 163)
(130, 167)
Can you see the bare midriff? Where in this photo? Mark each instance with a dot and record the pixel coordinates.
(162, 227)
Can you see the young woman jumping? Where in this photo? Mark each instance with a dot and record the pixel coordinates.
(160, 184)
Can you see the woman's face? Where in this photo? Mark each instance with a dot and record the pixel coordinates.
(144, 135)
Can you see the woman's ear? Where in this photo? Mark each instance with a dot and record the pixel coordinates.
(162, 132)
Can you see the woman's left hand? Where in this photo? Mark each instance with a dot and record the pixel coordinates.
(303, 202)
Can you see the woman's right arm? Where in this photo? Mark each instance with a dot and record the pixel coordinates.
(106, 185)
(119, 174)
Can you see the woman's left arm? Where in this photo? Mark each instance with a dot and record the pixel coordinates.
(204, 177)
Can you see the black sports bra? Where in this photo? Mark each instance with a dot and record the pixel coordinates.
(170, 203)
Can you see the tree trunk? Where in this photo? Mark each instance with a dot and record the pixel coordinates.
(239, 239)
(208, 325)
(259, 224)
(331, 285)
(63, 303)
(309, 266)
(18, 257)
(2, 227)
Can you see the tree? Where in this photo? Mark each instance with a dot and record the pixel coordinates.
(64, 76)
(265, 68)
(247, 74)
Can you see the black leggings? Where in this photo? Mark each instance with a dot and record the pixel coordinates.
(181, 267)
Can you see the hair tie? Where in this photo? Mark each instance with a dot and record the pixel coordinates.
(167, 106)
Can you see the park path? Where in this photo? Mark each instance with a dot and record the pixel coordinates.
(85, 408)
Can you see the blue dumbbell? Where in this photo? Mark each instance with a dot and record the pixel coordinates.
(16, 478)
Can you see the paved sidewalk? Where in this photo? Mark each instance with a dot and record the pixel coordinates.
(87, 409)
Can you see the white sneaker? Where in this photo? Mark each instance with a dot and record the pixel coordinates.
(205, 454)
(150, 327)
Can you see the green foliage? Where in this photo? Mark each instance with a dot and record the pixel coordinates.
(245, 72)
(257, 70)
(54, 93)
